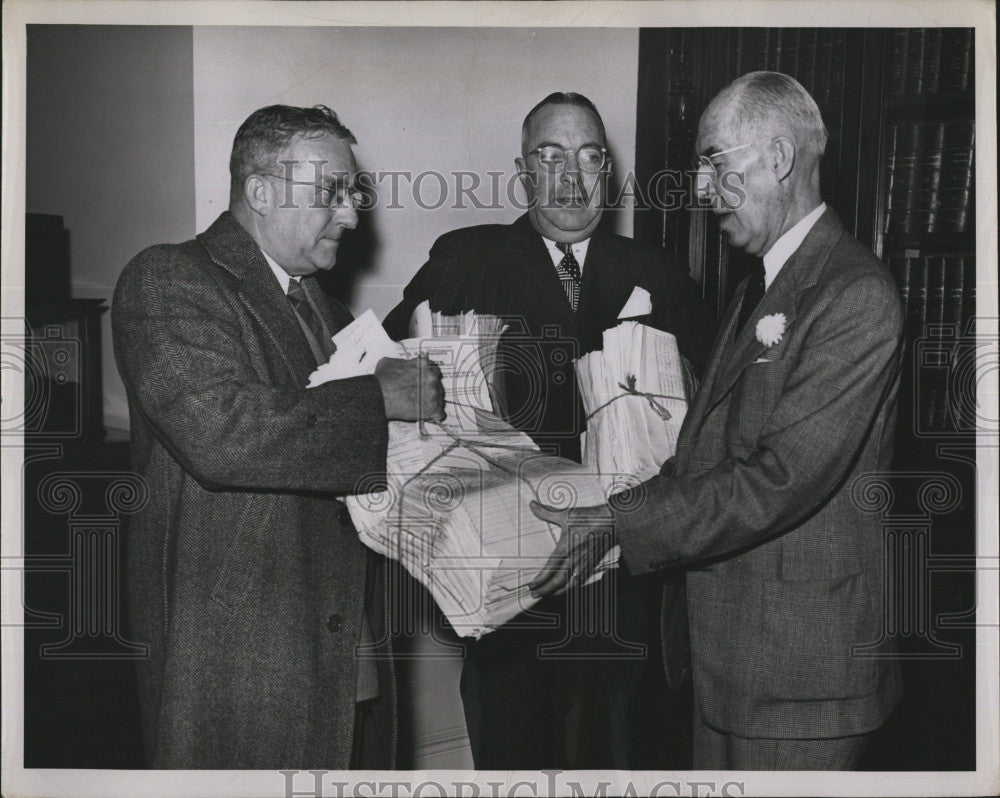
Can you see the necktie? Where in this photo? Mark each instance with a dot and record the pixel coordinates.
(297, 299)
(569, 273)
(752, 296)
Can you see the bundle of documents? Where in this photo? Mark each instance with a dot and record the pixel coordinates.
(456, 510)
(462, 526)
(634, 395)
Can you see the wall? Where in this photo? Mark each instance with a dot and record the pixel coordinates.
(110, 149)
(417, 99)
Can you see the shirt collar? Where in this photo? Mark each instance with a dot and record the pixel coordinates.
(788, 243)
(579, 251)
(284, 278)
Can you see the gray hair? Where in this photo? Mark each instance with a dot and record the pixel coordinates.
(266, 133)
(772, 102)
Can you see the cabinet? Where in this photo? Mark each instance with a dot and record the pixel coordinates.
(899, 171)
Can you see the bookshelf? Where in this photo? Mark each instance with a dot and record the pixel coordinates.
(899, 171)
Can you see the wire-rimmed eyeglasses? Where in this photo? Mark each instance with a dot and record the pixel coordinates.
(701, 162)
(590, 158)
(334, 196)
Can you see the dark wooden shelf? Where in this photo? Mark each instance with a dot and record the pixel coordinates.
(944, 106)
(944, 243)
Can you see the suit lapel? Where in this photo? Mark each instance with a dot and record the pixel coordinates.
(799, 272)
(532, 278)
(610, 274)
(233, 249)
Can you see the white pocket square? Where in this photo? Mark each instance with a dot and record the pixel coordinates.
(639, 304)
(762, 360)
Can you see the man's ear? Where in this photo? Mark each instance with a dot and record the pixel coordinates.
(522, 167)
(257, 194)
(782, 157)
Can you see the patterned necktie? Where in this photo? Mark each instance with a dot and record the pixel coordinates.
(569, 274)
(752, 296)
(297, 299)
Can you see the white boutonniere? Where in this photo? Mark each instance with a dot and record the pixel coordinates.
(771, 328)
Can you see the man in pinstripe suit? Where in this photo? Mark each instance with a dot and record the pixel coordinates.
(785, 599)
(245, 575)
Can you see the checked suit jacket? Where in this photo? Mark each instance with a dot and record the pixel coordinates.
(784, 566)
(245, 576)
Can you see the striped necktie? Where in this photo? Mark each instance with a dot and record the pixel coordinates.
(569, 273)
(309, 318)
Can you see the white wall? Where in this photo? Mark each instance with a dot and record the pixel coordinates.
(417, 99)
(110, 149)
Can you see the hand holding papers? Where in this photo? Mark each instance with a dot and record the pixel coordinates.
(588, 534)
(456, 511)
(634, 395)
(635, 398)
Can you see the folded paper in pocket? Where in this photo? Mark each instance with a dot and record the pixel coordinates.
(639, 304)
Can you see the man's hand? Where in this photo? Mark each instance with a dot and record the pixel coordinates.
(587, 535)
(411, 389)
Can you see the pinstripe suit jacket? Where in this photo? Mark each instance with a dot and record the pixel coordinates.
(245, 576)
(784, 570)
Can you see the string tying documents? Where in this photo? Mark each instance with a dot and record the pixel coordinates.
(630, 390)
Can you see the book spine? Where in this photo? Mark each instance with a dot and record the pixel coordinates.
(957, 175)
(824, 49)
(789, 51)
(929, 170)
(936, 272)
(932, 61)
(917, 318)
(806, 64)
(774, 49)
(902, 270)
(899, 48)
(954, 291)
(956, 59)
(969, 295)
(915, 61)
(838, 56)
(905, 177)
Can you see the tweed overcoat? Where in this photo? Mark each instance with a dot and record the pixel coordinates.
(245, 576)
(784, 567)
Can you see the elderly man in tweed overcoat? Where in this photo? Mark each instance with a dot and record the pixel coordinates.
(784, 568)
(245, 575)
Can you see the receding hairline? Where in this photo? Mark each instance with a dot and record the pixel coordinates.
(558, 99)
(791, 110)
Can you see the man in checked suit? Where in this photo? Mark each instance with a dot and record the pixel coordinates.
(537, 695)
(784, 570)
(245, 575)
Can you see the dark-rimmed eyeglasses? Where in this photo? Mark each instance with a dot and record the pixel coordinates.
(589, 158)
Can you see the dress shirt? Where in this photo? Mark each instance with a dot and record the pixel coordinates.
(788, 243)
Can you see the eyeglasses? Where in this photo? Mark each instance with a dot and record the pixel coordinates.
(336, 196)
(705, 161)
(590, 159)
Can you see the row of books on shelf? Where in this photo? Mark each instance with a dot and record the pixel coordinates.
(938, 291)
(930, 167)
(931, 61)
(814, 57)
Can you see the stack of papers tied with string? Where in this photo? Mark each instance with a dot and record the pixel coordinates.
(456, 509)
(635, 398)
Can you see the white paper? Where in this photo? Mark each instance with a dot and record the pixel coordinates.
(638, 304)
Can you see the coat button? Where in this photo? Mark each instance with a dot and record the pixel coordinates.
(344, 515)
(333, 623)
